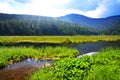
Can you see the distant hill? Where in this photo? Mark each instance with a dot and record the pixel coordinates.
(13, 24)
(72, 24)
(100, 24)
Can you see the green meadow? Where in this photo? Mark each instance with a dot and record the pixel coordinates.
(58, 39)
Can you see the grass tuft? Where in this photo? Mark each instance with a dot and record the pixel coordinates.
(9, 55)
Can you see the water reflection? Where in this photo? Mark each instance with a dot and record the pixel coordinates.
(30, 62)
(21, 69)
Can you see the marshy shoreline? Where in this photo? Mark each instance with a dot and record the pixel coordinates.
(14, 49)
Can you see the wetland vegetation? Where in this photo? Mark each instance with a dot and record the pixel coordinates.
(58, 39)
(102, 66)
(12, 54)
(67, 67)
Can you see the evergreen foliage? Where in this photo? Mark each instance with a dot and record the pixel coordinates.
(11, 24)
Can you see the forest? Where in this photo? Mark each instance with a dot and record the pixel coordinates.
(39, 25)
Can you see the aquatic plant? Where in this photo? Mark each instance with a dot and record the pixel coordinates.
(102, 66)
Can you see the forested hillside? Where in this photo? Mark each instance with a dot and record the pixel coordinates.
(113, 30)
(109, 25)
(11, 24)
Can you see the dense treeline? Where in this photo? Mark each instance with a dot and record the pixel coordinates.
(113, 30)
(11, 24)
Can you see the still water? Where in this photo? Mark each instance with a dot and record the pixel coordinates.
(94, 46)
(21, 69)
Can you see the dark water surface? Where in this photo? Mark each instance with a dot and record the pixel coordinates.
(94, 46)
(20, 70)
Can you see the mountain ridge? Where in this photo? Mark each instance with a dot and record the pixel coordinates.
(72, 24)
(96, 23)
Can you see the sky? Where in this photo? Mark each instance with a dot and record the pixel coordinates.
(55, 8)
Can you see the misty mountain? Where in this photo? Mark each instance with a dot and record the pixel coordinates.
(13, 24)
(100, 24)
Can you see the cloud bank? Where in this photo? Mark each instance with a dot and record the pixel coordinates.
(55, 8)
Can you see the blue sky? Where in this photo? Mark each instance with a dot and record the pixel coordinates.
(55, 8)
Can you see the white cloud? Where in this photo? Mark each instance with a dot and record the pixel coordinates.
(91, 13)
(6, 8)
(45, 7)
(34, 7)
(97, 12)
(54, 8)
(10, 6)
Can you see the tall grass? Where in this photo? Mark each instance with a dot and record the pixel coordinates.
(103, 66)
(58, 39)
(12, 54)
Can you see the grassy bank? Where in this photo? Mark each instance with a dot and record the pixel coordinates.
(9, 55)
(57, 39)
(103, 66)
